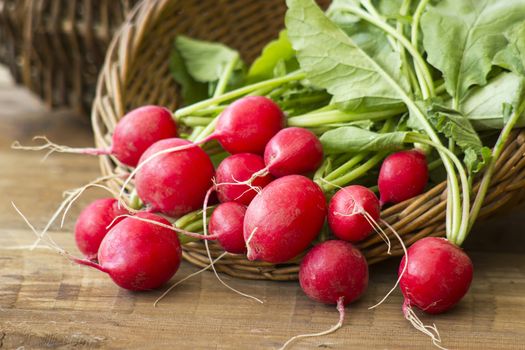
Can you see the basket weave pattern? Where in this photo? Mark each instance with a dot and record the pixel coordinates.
(56, 47)
(136, 72)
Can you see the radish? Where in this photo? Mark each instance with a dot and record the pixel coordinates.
(133, 134)
(353, 212)
(226, 224)
(248, 124)
(92, 225)
(245, 126)
(293, 151)
(235, 169)
(333, 272)
(284, 219)
(139, 255)
(434, 276)
(174, 183)
(403, 175)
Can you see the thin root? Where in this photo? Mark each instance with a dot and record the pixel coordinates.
(169, 227)
(340, 308)
(404, 266)
(53, 147)
(205, 228)
(188, 277)
(72, 196)
(430, 331)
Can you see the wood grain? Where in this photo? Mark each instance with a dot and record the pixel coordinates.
(48, 303)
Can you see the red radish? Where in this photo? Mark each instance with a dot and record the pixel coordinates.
(92, 224)
(139, 255)
(174, 183)
(434, 275)
(437, 276)
(248, 124)
(238, 168)
(333, 272)
(293, 151)
(138, 130)
(133, 134)
(245, 126)
(226, 224)
(284, 219)
(352, 212)
(403, 175)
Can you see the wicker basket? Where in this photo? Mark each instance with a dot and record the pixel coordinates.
(136, 73)
(56, 47)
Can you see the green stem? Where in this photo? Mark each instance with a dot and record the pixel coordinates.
(422, 74)
(463, 229)
(487, 176)
(195, 133)
(196, 121)
(337, 116)
(225, 77)
(297, 75)
(341, 170)
(355, 173)
(208, 130)
(372, 10)
(210, 110)
(406, 66)
(427, 84)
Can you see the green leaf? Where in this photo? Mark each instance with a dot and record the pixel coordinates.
(463, 38)
(458, 128)
(347, 67)
(205, 60)
(191, 90)
(482, 105)
(353, 139)
(275, 53)
(513, 56)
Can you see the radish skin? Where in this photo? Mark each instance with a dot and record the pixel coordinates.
(139, 255)
(92, 225)
(293, 151)
(332, 270)
(174, 183)
(284, 219)
(438, 275)
(351, 212)
(403, 175)
(236, 169)
(226, 224)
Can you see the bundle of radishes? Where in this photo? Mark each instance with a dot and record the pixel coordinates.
(382, 96)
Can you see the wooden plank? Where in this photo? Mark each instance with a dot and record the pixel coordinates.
(47, 302)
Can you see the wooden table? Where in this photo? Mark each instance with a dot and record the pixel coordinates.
(47, 302)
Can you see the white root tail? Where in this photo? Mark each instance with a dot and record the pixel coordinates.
(394, 232)
(430, 331)
(188, 277)
(340, 308)
(53, 147)
(71, 197)
(206, 244)
(54, 246)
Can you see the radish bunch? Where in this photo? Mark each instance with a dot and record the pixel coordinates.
(300, 174)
